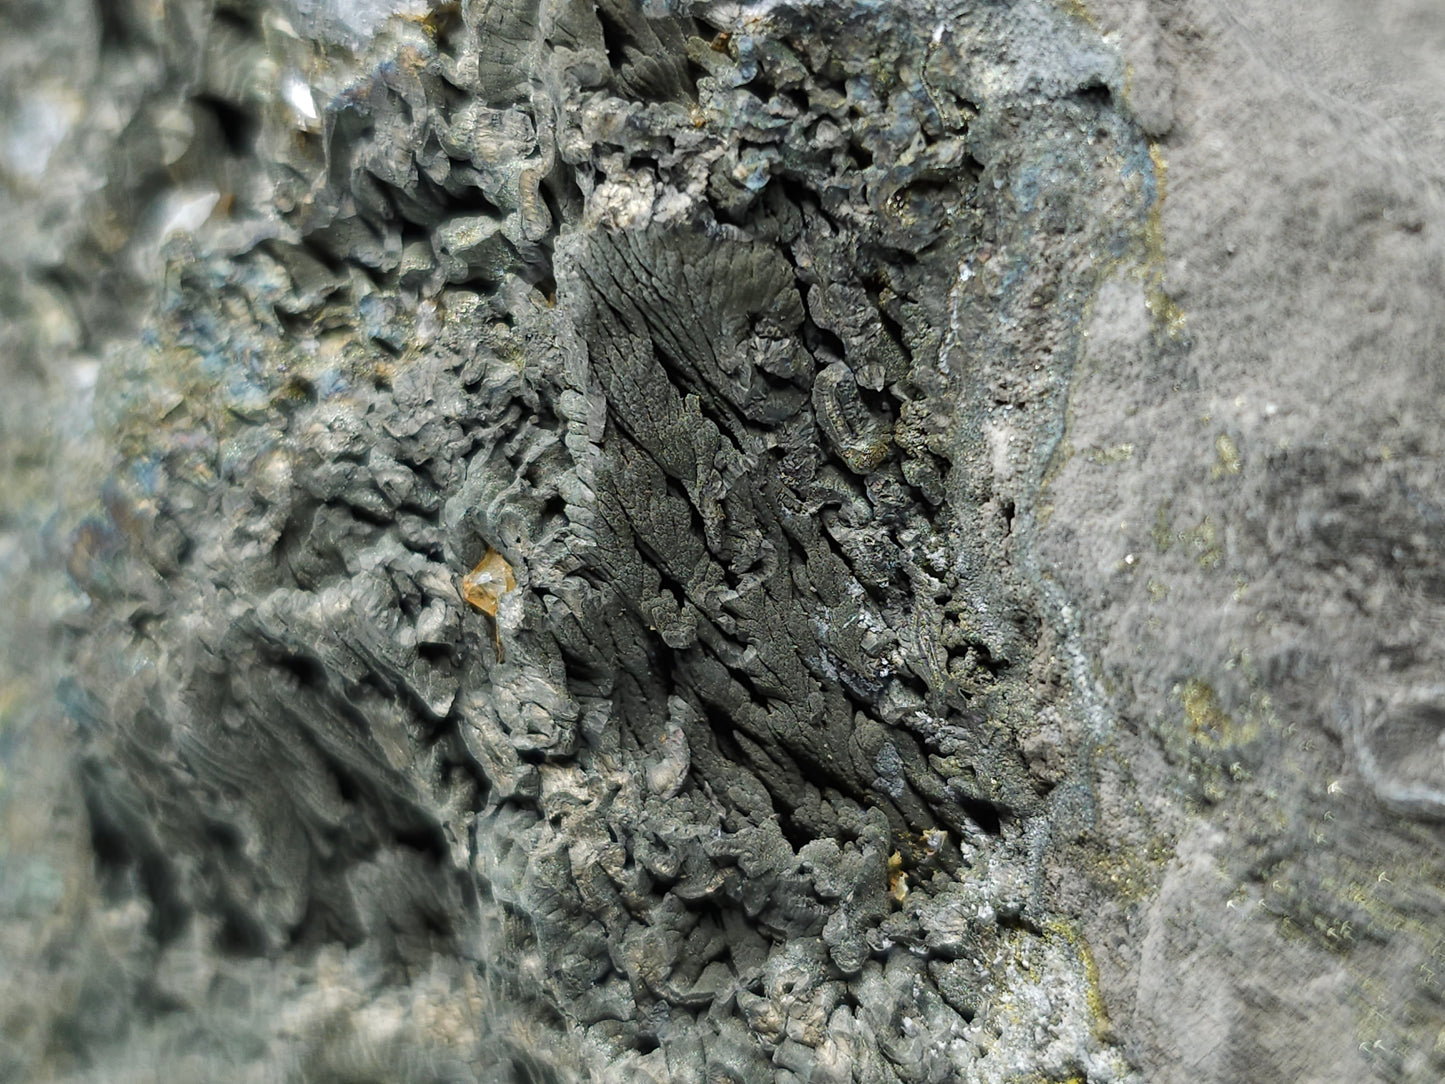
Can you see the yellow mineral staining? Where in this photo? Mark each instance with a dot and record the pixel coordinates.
(1162, 307)
(1202, 538)
(441, 19)
(1059, 458)
(1080, 11)
(1202, 712)
(1098, 1010)
(1205, 540)
(484, 586)
(932, 841)
(1103, 457)
(1161, 533)
(1209, 725)
(1070, 941)
(1227, 456)
(1132, 875)
(897, 878)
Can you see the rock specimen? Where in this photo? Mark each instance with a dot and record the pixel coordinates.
(706, 542)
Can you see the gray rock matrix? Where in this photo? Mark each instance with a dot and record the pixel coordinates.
(794, 541)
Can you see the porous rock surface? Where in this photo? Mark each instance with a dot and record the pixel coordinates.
(789, 541)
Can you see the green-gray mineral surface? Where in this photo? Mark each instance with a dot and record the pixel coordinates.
(880, 542)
